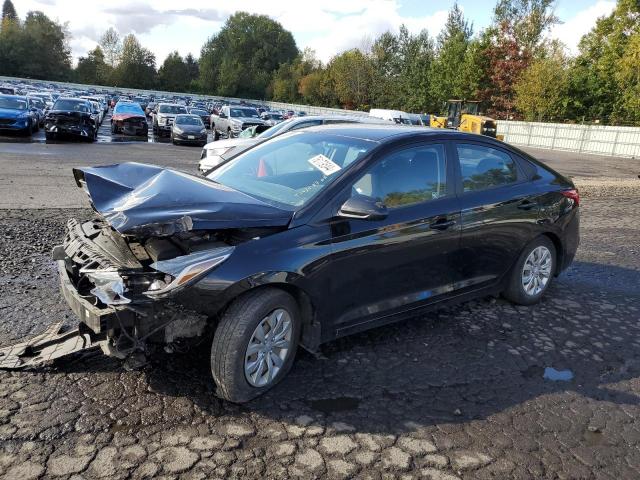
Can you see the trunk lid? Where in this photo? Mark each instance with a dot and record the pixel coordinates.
(147, 200)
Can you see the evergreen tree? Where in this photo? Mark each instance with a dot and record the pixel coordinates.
(9, 11)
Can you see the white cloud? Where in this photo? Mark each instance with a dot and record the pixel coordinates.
(328, 27)
(571, 31)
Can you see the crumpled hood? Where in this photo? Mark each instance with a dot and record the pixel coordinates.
(135, 198)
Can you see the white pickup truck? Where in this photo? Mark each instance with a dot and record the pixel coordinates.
(233, 119)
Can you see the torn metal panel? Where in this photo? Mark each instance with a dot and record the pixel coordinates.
(47, 346)
(139, 199)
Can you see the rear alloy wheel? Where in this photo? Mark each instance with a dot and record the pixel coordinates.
(533, 273)
(255, 344)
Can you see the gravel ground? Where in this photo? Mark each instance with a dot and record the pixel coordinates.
(458, 393)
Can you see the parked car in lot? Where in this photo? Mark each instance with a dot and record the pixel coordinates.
(272, 118)
(163, 119)
(202, 113)
(38, 107)
(16, 115)
(309, 237)
(215, 153)
(129, 119)
(232, 120)
(188, 129)
(72, 117)
(151, 108)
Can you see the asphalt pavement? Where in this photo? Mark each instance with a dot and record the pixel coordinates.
(472, 391)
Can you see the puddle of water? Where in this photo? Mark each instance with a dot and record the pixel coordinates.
(551, 373)
(335, 405)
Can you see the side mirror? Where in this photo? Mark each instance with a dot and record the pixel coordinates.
(364, 208)
(222, 115)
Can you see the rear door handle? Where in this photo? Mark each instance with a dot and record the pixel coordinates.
(442, 224)
(527, 205)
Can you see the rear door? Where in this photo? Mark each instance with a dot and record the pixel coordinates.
(499, 212)
(383, 267)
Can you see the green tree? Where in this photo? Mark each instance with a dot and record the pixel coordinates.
(93, 69)
(46, 53)
(137, 65)
(173, 75)
(542, 88)
(526, 20)
(285, 84)
(452, 45)
(193, 72)
(351, 74)
(598, 89)
(241, 59)
(627, 108)
(9, 11)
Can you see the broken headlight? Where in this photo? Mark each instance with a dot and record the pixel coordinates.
(183, 270)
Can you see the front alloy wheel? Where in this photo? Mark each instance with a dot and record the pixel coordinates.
(255, 343)
(268, 348)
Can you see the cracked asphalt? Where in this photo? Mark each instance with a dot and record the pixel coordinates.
(458, 393)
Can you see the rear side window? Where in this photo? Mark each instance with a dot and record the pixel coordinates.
(484, 167)
(409, 176)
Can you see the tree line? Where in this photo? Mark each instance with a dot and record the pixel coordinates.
(511, 66)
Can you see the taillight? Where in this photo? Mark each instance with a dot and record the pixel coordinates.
(573, 194)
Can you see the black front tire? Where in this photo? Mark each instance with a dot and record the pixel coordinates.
(515, 291)
(232, 337)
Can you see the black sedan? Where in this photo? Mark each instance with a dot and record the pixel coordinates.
(188, 129)
(311, 236)
(71, 117)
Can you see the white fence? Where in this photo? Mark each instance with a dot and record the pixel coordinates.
(596, 139)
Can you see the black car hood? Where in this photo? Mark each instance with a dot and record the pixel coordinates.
(146, 200)
(190, 128)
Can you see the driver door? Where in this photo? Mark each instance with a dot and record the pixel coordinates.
(405, 261)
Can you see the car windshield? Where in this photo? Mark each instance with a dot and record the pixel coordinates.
(196, 111)
(244, 112)
(133, 108)
(275, 116)
(172, 109)
(37, 102)
(13, 103)
(71, 105)
(188, 120)
(290, 170)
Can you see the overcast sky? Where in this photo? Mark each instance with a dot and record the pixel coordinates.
(328, 27)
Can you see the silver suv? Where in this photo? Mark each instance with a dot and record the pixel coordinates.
(166, 114)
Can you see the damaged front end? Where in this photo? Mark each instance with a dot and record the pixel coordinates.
(157, 233)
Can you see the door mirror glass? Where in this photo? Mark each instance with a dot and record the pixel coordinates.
(364, 208)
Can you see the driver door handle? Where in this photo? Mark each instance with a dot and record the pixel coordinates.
(442, 224)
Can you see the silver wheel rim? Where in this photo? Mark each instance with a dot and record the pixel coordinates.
(536, 271)
(268, 348)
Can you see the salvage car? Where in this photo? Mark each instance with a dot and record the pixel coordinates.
(303, 239)
(71, 117)
(188, 129)
(164, 116)
(16, 115)
(128, 118)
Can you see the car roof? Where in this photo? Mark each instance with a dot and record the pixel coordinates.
(380, 132)
(75, 99)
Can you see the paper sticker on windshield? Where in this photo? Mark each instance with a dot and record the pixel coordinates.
(324, 164)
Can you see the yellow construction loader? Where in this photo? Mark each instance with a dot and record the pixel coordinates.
(463, 115)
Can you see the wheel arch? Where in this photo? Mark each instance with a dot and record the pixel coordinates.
(557, 243)
(310, 331)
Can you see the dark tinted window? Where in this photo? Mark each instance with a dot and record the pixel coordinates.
(412, 175)
(485, 167)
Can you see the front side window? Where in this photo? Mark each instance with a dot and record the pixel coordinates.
(484, 167)
(409, 176)
(288, 171)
